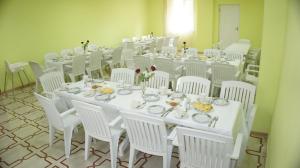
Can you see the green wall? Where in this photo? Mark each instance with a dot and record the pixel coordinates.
(31, 28)
(271, 62)
(284, 146)
(156, 17)
(251, 19)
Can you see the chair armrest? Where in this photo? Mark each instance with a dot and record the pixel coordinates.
(115, 122)
(68, 112)
(68, 66)
(179, 68)
(237, 147)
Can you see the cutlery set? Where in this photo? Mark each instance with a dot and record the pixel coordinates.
(213, 122)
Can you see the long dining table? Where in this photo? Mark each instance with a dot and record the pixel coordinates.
(229, 123)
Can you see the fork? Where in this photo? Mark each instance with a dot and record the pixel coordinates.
(216, 119)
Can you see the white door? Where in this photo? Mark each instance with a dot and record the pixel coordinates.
(229, 24)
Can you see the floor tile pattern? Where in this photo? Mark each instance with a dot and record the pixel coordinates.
(24, 141)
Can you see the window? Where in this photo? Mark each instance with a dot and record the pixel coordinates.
(180, 17)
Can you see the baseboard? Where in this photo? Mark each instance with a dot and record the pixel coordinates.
(19, 87)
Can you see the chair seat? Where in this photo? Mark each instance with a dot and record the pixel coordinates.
(19, 66)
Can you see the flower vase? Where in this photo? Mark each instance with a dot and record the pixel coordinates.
(143, 87)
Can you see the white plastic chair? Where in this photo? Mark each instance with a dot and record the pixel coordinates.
(78, 51)
(193, 85)
(127, 58)
(116, 58)
(67, 52)
(78, 67)
(222, 72)
(38, 72)
(15, 68)
(51, 81)
(65, 121)
(196, 68)
(95, 64)
(50, 56)
(174, 41)
(148, 135)
(212, 52)
(168, 65)
(251, 74)
(160, 79)
(123, 74)
(96, 125)
(231, 55)
(207, 150)
(244, 93)
(159, 44)
(166, 42)
(142, 62)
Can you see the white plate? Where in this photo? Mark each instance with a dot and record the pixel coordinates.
(88, 94)
(124, 91)
(74, 90)
(156, 109)
(151, 97)
(221, 102)
(201, 118)
(102, 97)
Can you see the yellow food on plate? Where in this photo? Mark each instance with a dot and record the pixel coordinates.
(202, 107)
(106, 90)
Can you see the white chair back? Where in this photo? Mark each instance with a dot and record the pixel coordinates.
(164, 64)
(145, 133)
(116, 56)
(123, 74)
(232, 55)
(142, 62)
(127, 58)
(196, 68)
(52, 113)
(160, 79)
(193, 85)
(166, 42)
(212, 52)
(174, 41)
(52, 81)
(93, 119)
(79, 51)
(66, 52)
(128, 45)
(159, 44)
(78, 65)
(95, 60)
(239, 91)
(36, 69)
(222, 72)
(202, 149)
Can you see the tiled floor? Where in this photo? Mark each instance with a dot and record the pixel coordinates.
(24, 141)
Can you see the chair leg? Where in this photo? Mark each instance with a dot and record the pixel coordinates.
(5, 81)
(28, 80)
(20, 79)
(68, 140)
(12, 84)
(169, 156)
(87, 144)
(131, 157)
(114, 151)
(51, 134)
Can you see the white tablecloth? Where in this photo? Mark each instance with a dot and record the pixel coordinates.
(240, 47)
(230, 116)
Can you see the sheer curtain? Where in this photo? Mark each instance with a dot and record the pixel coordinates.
(180, 17)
